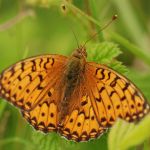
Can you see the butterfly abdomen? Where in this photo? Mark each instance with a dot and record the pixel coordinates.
(75, 68)
(73, 73)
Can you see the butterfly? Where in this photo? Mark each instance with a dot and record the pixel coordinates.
(79, 100)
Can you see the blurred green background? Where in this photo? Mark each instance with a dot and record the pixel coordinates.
(33, 27)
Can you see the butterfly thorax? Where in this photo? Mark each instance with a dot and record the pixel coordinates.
(80, 53)
(72, 77)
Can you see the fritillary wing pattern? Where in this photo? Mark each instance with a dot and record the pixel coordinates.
(78, 99)
(28, 82)
(43, 117)
(81, 123)
(114, 96)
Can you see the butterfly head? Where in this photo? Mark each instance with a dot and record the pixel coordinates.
(80, 52)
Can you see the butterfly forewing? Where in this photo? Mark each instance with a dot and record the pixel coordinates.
(115, 96)
(27, 82)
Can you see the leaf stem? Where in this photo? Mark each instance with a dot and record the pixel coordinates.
(72, 7)
(131, 47)
(93, 7)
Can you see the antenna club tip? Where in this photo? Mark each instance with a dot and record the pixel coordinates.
(115, 17)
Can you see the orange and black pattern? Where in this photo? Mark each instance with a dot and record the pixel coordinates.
(103, 96)
(27, 82)
(115, 96)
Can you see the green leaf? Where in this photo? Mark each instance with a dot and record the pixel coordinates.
(17, 140)
(125, 135)
(105, 53)
(2, 107)
(116, 65)
(51, 141)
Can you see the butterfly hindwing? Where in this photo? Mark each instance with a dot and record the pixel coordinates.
(43, 117)
(28, 81)
(115, 96)
(81, 124)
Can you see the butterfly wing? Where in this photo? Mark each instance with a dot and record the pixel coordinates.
(81, 123)
(101, 96)
(43, 117)
(114, 96)
(28, 82)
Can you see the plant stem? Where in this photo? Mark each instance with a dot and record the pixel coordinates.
(74, 8)
(94, 13)
(131, 47)
(130, 20)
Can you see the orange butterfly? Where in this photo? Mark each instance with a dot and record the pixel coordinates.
(75, 98)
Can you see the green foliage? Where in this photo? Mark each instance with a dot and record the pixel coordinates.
(124, 135)
(106, 53)
(142, 81)
(103, 52)
(33, 27)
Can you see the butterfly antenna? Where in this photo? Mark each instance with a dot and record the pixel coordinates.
(104, 27)
(75, 37)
